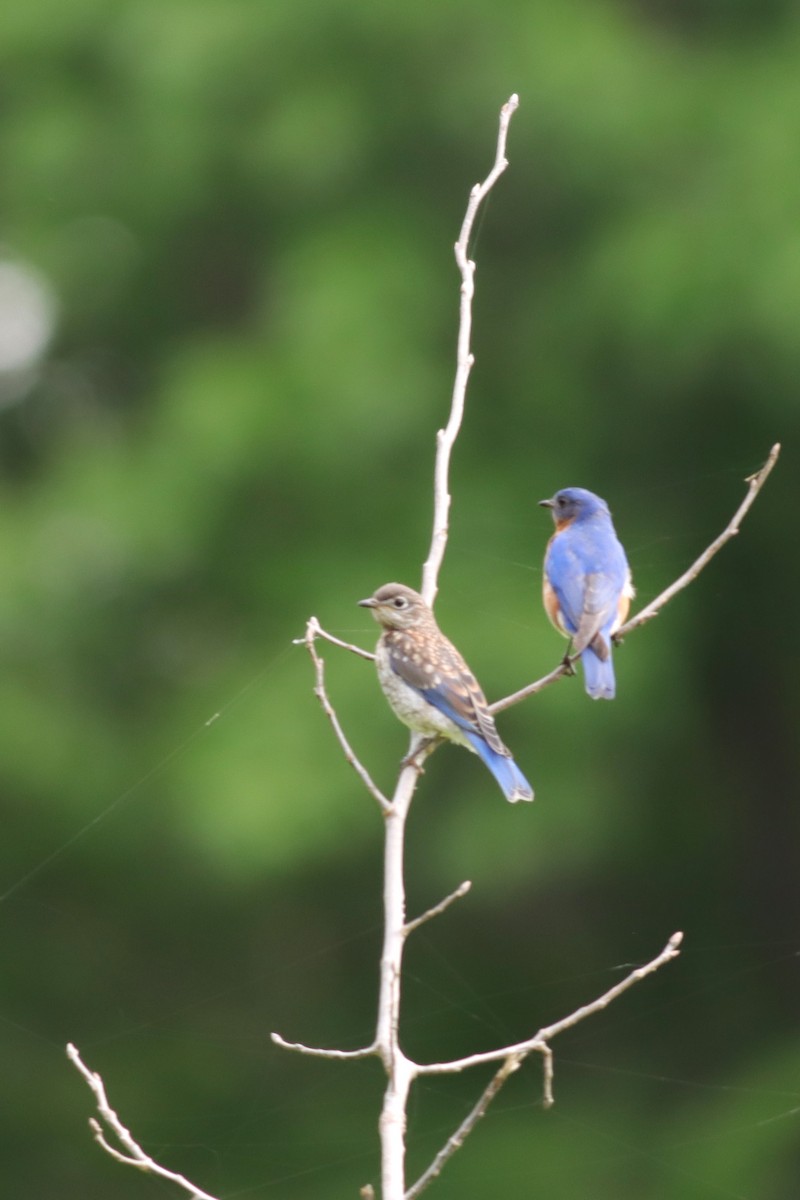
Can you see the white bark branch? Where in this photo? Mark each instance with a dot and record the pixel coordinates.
(131, 1155)
(755, 483)
(400, 1071)
(456, 1140)
(334, 641)
(312, 631)
(439, 908)
(446, 437)
(319, 1052)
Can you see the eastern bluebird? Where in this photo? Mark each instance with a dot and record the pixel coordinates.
(587, 586)
(430, 687)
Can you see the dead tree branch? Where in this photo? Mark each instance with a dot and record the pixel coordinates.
(755, 483)
(445, 439)
(313, 631)
(131, 1154)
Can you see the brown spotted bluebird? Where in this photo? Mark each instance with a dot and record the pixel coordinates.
(586, 586)
(430, 687)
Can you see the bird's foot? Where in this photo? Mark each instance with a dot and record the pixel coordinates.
(415, 759)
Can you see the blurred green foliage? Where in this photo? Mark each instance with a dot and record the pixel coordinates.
(244, 213)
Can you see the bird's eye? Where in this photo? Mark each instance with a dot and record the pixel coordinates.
(561, 501)
(399, 602)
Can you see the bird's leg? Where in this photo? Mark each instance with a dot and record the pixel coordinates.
(569, 666)
(413, 760)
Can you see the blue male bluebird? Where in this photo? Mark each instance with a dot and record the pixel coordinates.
(430, 687)
(587, 586)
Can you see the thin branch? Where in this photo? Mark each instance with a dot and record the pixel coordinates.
(334, 641)
(446, 437)
(319, 1052)
(755, 484)
(547, 1075)
(540, 1039)
(564, 668)
(133, 1155)
(312, 631)
(439, 908)
(670, 951)
(455, 1141)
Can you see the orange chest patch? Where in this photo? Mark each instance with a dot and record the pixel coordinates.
(552, 607)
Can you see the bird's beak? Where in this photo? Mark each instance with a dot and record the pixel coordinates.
(370, 602)
(545, 503)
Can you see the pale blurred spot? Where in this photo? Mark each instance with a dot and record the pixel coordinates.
(28, 313)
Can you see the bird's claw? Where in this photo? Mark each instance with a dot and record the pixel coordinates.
(410, 760)
(414, 759)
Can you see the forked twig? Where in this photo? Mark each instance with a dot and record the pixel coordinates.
(334, 641)
(456, 1140)
(312, 631)
(513, 1056)
(132, 1155)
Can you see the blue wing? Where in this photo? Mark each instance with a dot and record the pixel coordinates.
(438, 672)
(445, 681)
(513, 783)
(587, 569)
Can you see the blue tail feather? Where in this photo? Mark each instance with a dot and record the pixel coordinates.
(599, 675)
(513, 783)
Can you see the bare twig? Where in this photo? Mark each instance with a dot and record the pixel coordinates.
(563, 668)
(755, 484)
(131, 1154)
(318, 1052)
(547, 1075)
(399, 1070)
(313, 630)
(334, 641)
(445, 439)
(456, 1140)
(439, 908)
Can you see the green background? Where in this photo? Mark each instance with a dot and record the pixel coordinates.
(245, 213)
